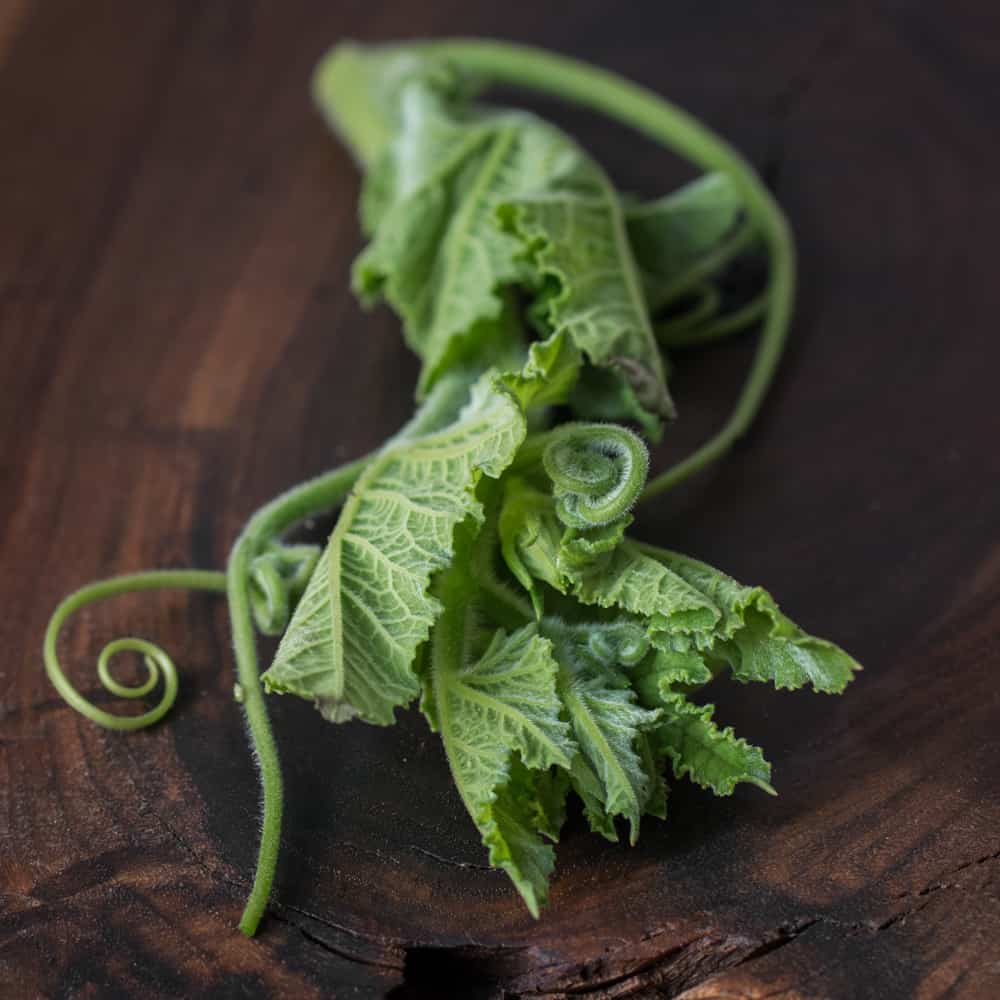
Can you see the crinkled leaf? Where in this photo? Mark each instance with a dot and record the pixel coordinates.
(607, 723)
(530, 534)
(711, 757)
(652, 764)
(351, 642)
(754, 637)
(437, 255)
(667, 668)
(464, 204)
(591, 792)
(642, 585)
(589, 285)
(586, 552)
(499, 719)
(548, 375)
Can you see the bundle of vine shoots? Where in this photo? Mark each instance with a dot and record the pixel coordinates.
(481, 562)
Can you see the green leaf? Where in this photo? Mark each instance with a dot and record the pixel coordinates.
(499, 720)
(642, 585)
(351, 642)
(437, 255)
(588, 787)
(607, 723)
(357, 90)
(465, 205)
(652, 764)
(549, 374)
(530, 535)
(753, 636)
(676, 239)
(711, 757)
(613, 774)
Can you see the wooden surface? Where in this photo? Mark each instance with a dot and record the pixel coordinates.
(179, 344)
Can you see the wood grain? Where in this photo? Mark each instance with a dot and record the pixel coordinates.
(180, 344)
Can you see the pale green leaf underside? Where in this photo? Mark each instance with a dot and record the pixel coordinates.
(352, 640)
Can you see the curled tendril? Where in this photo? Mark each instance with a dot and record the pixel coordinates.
(597, 470)
(158, 663)
(277, 580)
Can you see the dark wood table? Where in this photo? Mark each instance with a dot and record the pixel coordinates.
(180, 344)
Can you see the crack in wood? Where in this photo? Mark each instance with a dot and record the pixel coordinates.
(449, 861)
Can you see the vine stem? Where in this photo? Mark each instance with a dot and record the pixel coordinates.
(321, 493)
(674, 128)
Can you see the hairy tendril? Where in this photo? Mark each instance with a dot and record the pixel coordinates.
(159, 665)
(597, 472)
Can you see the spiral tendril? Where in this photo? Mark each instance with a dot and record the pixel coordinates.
(597, 471)
(159, 666)
(278, 578)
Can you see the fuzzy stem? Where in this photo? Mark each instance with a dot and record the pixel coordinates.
(278, 516)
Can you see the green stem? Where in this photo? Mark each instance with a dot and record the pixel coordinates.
(706, 305)
(676, 334)
(711, 264)
(669, 125)
(159, 665)
(321, 493)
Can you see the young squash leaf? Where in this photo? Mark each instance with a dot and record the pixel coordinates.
(753, 636)
(499, 717)
(464, 203)
(607, 723)
(711, 757)
(352, 640)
